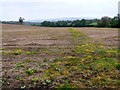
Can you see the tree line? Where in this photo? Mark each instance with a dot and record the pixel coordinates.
(103, 22)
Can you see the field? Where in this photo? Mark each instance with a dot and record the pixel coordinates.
(46, 57)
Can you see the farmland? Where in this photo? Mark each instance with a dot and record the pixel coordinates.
(47, 57)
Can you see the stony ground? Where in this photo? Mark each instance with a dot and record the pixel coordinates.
(48, 57)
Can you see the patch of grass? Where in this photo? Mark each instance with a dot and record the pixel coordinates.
(93, 24)
(2, 48)
(58, 59)
(105, 62)
(19, 65)
(17, 52)
(31, 52)
(28, 52)
(5, 52)
(34, 80)
(76, 35)
(65, 86)
(118, 82)
(100, 51)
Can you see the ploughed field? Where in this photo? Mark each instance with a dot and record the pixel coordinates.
(46, 57)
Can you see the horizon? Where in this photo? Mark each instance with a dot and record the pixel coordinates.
(59, 19)
(62, 18)
(54, 9)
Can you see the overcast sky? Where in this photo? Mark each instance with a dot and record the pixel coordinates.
(48, 9)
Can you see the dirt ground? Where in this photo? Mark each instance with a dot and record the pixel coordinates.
(48, 42)
(106, 36)
(17, 35)
(34, 36)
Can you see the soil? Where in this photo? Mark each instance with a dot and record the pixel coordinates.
(48, 42)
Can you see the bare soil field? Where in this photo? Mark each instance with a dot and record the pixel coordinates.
(107, 36)
(17, 35)
(47, 57)
(30, 36)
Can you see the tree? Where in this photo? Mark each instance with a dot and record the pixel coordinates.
(21, 20)
(83, 22)
(115, 22)
(104, 22)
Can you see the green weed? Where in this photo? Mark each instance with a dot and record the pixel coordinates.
(17, 52)
(30, 71)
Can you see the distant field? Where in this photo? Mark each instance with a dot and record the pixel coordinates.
(46, 57)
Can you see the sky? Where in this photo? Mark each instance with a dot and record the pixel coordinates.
(11, 10)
